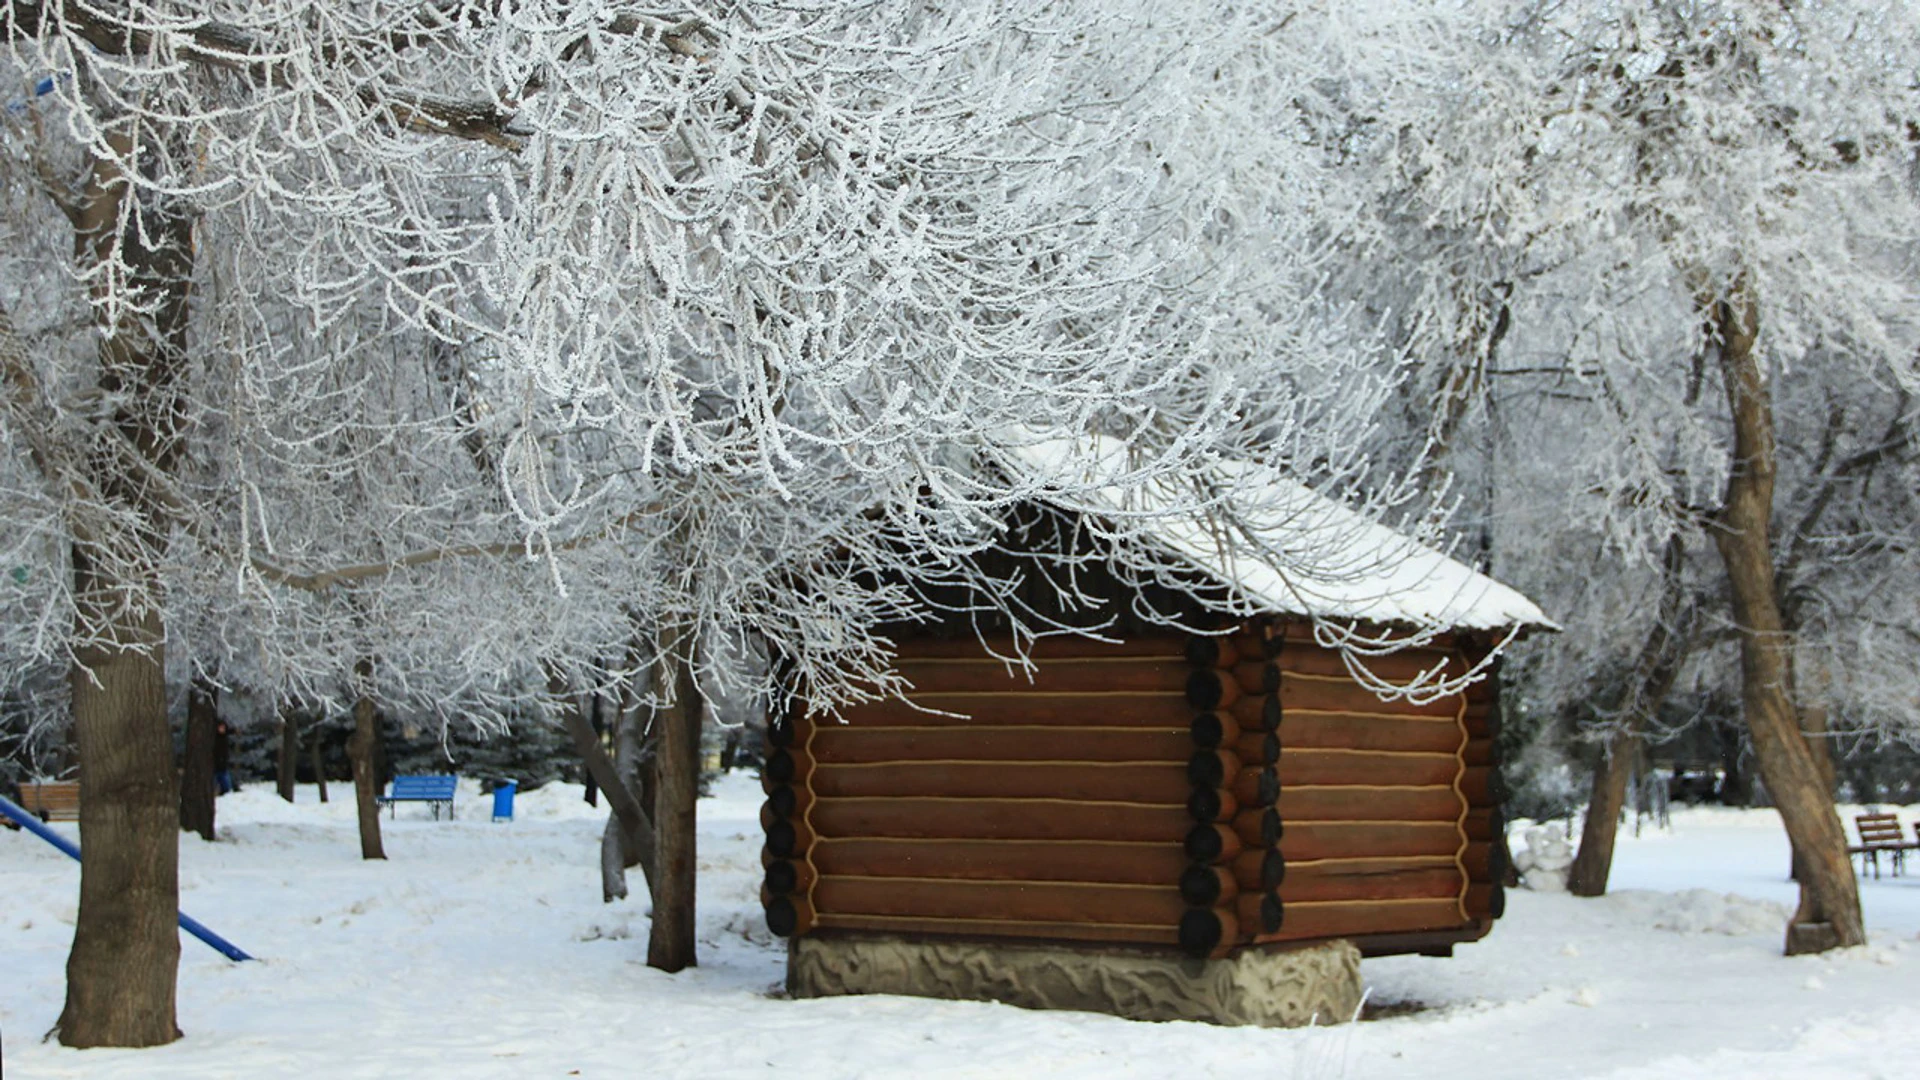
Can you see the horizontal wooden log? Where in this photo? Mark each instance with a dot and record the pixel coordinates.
(1260, 712)
(1319, 921)
(786, 838)
(1478, 859)
(1214, 843)
(1480, 825)
(1259, 869)
(1051, 676)
(1256, 786)
(1331, 695)
(1258, 827)
(1300, 803)
(792, 766)
(1021, 708)
(1258, 748)
(1151, 782)
(1479, 752)
(1478, 785)
(1209, 689)
(1308, 841)
(1305, 884)
(1033, 901)
(1260, 912)
(1167, 646)
(1004, 860)
(1381, 768)
(1208, 805)
(786, 877)
(1352, 731)
(1214, 730)
(788, 916)
(996, 742)
(1207, 886)
(1212, 768)
(1001, 819)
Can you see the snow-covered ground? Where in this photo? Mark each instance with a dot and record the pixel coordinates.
(483, 950)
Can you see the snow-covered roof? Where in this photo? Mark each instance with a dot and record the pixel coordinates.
(1274, 540)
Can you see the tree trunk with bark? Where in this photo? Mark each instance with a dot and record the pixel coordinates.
(126, 949)
(360, 751)
(1648, 685)
(1829, 913)
(670, 947)
(126, 946)
(198, 793)
(287, 762)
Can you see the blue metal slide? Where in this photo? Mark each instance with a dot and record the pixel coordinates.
(11, 809)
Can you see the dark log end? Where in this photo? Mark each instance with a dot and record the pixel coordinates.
(1270, 829)
(782, 919)
(782, 878)
(781, 839)
(1272, 914)
(1273, 870)
(1204, 805)
(1207, 730)
(1270, 749)
(1204, 844)
(781, 801)
(1203, 652)
(780, 767)
(1269, 787)
(780, 734)
(1497, 790)
(1204, 689)
(1270, 713)
(1497, 901)
(1199, 886)
(1270, 679)
(1200, 932)
(1271, 647)
(1204, 769)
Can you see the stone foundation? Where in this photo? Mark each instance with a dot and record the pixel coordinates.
(1318, 984)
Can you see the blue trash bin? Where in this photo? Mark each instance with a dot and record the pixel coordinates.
(503, 800)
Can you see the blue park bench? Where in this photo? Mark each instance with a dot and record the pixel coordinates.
(435, 788)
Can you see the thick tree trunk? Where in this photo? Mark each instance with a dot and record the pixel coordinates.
(287, 763)
(670, 947)
(1829, 914)
(197, 790)
(126, 948)
(1649, 683)
(366, 782)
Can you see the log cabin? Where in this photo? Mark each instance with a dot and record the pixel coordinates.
(1208, 805)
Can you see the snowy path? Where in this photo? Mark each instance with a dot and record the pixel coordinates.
(482, 950)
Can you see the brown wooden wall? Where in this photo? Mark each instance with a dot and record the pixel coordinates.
(1199, 793)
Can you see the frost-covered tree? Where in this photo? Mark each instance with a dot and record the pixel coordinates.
(1691, 216)
(734, 310)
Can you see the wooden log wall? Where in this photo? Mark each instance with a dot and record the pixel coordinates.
(1384, 822)
(1204, 793)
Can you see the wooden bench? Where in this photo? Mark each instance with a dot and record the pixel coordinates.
(1881, 833)
(51, 800)
(435, 788)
